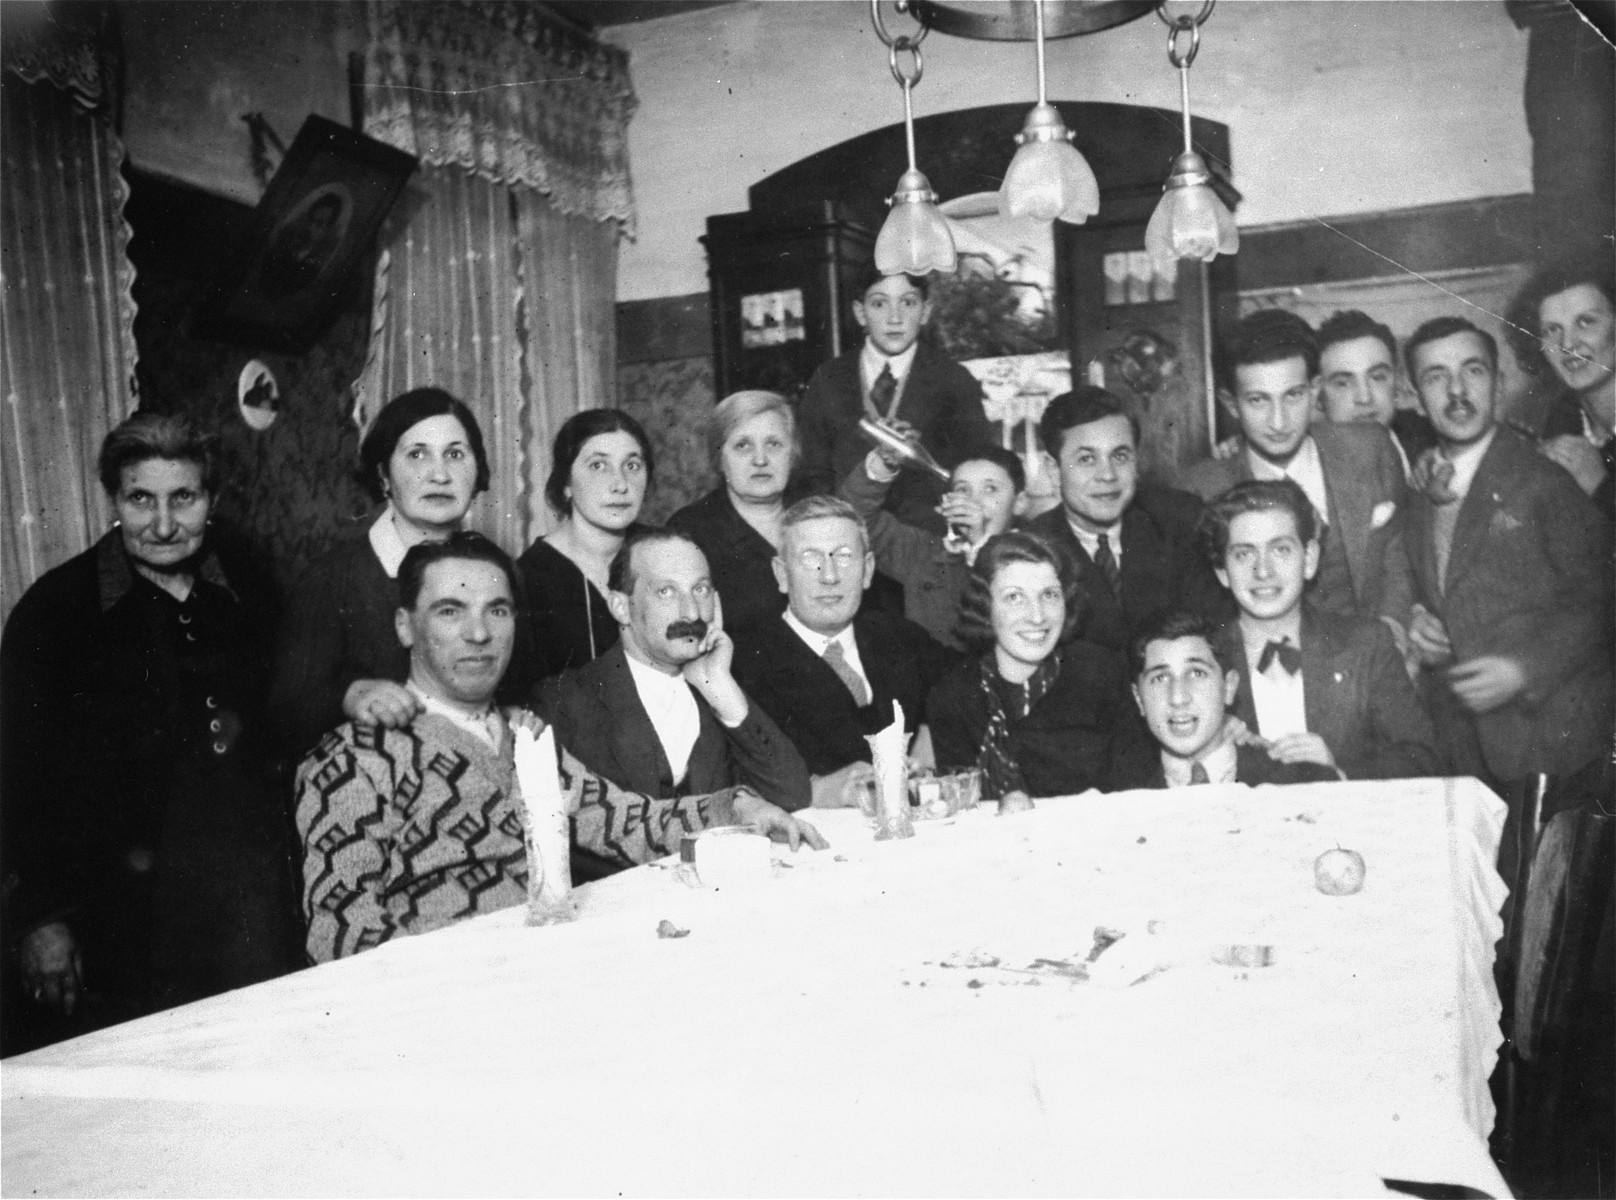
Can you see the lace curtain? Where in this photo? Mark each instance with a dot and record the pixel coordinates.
(67, 346)
(500, 283)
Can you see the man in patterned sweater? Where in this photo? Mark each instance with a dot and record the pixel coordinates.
(407, 830)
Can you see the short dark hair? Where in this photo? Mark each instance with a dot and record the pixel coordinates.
(1081, 406)
(1168, 626)
(462, 544)
(148, 435)
(1015, 545)
(570, 440)
(1269, 335)
(1591, 265)
(620, 576)
(398, 417)
(1006, 460)
(1254, 495)
(1350, 324)
(1438, 328)
(872, 275)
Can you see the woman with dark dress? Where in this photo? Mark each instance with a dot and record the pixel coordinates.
(147, 857)
(339, 656)
(1040, 715)
(752, 437)
(599, 473)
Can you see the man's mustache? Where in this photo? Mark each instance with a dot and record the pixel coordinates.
(696, 629)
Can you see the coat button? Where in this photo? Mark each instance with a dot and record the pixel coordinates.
(219, 747)
(185, 619)
(212, 702)
(190, 637)
(214, 726)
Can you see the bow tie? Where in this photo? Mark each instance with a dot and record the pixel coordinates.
(1289, 657)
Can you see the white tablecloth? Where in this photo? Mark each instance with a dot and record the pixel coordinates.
(826, 1034)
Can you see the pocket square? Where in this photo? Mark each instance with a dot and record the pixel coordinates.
(1506, 522)
(1384, 511)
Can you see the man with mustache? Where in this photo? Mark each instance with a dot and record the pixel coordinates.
(660, 712)
(406, 830)
(1512, 575)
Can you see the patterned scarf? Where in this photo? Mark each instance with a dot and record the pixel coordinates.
(1000, 771)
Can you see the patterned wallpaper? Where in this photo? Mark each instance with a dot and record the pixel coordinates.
(671, 399)
(289, 489)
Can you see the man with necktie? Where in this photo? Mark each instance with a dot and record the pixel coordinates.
(892, 376)
(1317, 687)
(1183, 685)
(1512, 570)
(1350, 472)
(1134, 543)
(827, 671)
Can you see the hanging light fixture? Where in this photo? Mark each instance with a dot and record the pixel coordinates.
(1190, 221)
(915, 239)
(1048, 177)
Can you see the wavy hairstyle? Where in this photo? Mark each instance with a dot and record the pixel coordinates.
(737, 408)
(1016, 545)
(148, 435)
(402, 413)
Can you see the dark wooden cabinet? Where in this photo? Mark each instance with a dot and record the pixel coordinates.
(782, 293)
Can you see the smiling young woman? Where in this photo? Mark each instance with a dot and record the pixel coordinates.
(1040, 711)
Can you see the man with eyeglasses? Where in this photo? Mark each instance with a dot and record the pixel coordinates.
(1350, 472)
(826, 672)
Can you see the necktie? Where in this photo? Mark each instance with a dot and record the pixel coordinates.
(882, 391)
(837, 661)
(1107, 562)
(1288, 655)
(1198, 773)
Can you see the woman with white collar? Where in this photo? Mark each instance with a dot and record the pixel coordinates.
(339, 657)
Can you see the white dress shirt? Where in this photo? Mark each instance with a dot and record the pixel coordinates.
(671, 706)
(1467, 461)
(872, 360)
(819, 643)
(1220, 765)
(1278, 696)
(487, 727)
(1304, 467)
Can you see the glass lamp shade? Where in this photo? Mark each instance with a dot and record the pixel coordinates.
(1048, 178)
(915, 240)
(1190, 221)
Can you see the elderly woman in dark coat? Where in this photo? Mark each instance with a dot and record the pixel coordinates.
(146, 856)
(1041, 713)
(752, 437)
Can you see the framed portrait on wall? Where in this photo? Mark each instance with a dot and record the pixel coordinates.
(317, 218)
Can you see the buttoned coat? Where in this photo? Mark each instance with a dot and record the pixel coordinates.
(1357, 696)
(1529, 578)
(599, 716)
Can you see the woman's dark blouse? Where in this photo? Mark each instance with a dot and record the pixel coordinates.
(338, 628)
(568, 623)
(133, 781)
(1084, 733)
(739, 557)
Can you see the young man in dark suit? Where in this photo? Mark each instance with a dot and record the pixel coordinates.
(1350, 473)
(660, 712)
(1512, 567)
(892, 376)
(1134, 544)
(1316, 686)
(826, 671)
(1183, 687)
(1358, 383)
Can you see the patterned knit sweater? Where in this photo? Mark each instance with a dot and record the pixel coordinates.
(407, 830)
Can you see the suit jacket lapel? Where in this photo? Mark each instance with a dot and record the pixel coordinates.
(1350, 512)
(1144, 565)
(882, 688)
(709, 756)
(1476, 510)
(1420, 540)
(1319, 650)
(635, 744)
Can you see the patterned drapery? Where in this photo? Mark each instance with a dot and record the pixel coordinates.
(492, 294)
(67, 346)
(503, 90)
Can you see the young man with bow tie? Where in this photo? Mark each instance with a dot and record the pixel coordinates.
(1316, 686)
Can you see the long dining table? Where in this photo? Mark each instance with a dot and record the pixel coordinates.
(1132, 994)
